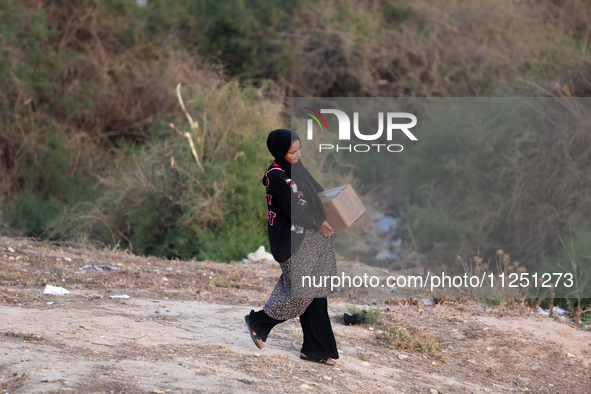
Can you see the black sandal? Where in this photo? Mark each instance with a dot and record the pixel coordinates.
(255, 337)
(317, 360)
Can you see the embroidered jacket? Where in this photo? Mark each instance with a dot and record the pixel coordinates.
(289, 214)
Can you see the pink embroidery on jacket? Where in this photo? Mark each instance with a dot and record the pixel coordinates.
(267, 174)
(269, 198)
(271, 217)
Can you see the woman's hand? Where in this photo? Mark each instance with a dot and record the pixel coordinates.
(326, 229)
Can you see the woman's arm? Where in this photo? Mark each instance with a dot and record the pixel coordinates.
(325, 228)
(281, 194)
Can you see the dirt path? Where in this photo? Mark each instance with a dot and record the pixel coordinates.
(186, 333)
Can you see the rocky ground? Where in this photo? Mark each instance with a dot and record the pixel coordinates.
(182, 330)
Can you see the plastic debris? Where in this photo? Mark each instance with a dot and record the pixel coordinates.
(123, 296)
(51, 303)
(559, 311)
(52, 290)
(100, 267)
(556, 311)
(259, 255)
(387, 224)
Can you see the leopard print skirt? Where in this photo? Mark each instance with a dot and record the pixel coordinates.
(292, 294)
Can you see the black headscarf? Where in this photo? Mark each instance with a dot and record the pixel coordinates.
(279, 142)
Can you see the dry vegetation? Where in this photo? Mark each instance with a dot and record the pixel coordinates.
(438, 48)
(88, 94)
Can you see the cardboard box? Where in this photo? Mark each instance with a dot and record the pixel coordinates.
(342, 206)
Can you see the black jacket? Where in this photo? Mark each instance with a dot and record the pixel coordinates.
(289, 214)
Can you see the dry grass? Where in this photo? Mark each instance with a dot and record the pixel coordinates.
(411, 340)
(549, 189)
(118, 94)
(426, 48)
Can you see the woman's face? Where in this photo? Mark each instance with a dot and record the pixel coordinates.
(294, 154)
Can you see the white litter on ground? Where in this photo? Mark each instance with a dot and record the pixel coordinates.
(259, 255)
(52, 290)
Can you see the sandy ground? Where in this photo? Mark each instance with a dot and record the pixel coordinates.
(182, 330)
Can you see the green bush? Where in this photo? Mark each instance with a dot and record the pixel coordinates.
(370, 315)
(49, 186)
(209, 204)
(575, 258)
(491, 174)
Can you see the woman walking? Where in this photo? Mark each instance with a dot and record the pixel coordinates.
(302, 242)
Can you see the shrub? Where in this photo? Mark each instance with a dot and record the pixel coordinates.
(208, 201)
(371, 315)
(407, 339)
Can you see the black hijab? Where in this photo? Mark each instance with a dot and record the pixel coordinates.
(279, 142)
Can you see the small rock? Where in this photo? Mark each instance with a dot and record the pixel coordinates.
(257, 355)
(164, 279)
(10, 250)
(471, 361)
(433, 391)
(327, 378)
(304, 386)
(370, 328)
(67, 259)
(403, 356)
(488, 348)
(569, 355)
